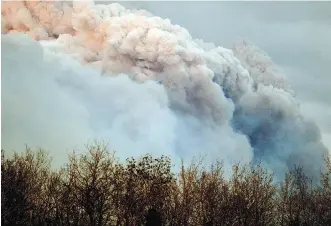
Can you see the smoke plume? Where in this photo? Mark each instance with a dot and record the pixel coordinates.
(82, 71)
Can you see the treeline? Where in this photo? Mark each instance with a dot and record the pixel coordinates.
(95, 189)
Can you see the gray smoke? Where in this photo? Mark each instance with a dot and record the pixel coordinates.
(103, 71)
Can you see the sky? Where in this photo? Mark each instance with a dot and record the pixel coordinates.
(296, 35)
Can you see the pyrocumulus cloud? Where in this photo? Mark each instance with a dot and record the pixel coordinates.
(73, 72)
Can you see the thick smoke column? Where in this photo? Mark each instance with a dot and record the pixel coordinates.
(148, 86)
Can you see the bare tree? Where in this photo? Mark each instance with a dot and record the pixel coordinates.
(95, 189)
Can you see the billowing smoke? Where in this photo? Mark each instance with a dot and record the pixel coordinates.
(91, 71)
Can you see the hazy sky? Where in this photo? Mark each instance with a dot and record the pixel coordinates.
(295, 34)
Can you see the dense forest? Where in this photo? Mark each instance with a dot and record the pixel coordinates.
(95, 189)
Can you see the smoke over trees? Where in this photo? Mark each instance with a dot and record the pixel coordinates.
(76, 71)
(161, 90)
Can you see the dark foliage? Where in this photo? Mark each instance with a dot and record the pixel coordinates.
(153, 218)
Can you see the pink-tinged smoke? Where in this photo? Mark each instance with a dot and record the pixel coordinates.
(80, 71)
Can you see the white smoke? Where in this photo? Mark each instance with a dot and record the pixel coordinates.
(103, 71)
